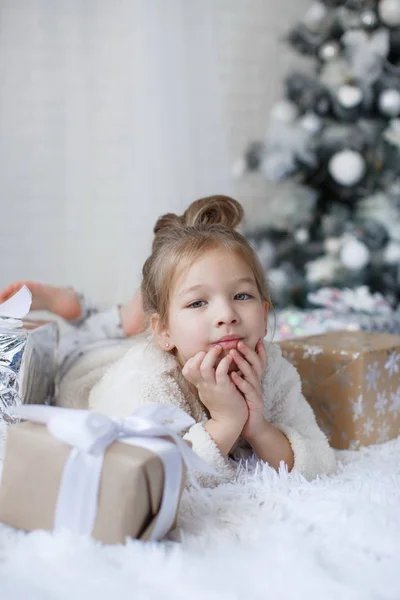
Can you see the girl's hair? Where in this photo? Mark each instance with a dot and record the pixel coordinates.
(207, 224)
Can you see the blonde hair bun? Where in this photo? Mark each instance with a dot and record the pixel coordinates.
(213, 210)
(168, 221)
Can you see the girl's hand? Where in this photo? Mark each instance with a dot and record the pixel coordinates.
(216, 390)
(252, 365)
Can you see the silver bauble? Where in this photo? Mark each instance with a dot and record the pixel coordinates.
(347, 167)
(389, 103)
(316, 17)
(354, 255)
(349, 96)
(329, 51)
(368, 19)
(389, 12)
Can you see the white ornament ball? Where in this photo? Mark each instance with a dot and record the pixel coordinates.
(301, 235)
(329, 51)
(391, 254)
(349, 96)
(389, 12)
(389, 103)
(332, 245)
(347, 167)
(315, 16)
(369, 19)
(311, 122)
(285, 112)
(354, 255)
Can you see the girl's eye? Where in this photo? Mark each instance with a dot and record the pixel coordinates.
(243, 296)
(197, 304)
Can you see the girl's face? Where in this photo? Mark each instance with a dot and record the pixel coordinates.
(215, 301)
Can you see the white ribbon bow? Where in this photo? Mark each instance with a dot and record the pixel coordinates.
(15, 308)
(90, 433)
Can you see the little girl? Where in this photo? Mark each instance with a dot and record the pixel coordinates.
(204, 291)
(205, 296)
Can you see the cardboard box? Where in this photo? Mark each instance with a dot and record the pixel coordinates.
(352, 381)
(130, 492)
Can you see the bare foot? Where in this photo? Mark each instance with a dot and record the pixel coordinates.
(60, 301)
(133, 319)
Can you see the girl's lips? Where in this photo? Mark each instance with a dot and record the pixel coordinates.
(228, 344)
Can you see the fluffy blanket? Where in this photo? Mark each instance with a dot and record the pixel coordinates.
(266, 536)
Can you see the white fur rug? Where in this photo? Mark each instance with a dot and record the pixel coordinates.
(267, 536)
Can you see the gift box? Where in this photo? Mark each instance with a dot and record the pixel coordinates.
(28, 362)
(351, 380)
(83, 472)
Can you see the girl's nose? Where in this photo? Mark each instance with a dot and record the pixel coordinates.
(226, 315)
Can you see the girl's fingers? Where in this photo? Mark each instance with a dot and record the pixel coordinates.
(222, 369)
(252, 357)
(207, 369)
(247, 389)
(191, 369)
(249, 373)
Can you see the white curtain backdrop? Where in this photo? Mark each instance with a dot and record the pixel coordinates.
(110, 115)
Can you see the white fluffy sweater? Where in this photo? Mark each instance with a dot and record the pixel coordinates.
(145, 373)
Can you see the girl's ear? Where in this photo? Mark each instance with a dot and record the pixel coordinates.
(161, 334)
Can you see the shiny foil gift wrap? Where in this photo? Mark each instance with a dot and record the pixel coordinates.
(28, 360)
(352, 381)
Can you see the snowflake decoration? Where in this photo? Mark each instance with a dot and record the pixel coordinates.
(372, 376)
(381, 403)
(391, 365)
(383, 433)
(395, 403)
(357, 408)
(311, 352)
(368, 427)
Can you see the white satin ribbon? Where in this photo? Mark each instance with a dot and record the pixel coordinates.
(90, 433)
(15, 308)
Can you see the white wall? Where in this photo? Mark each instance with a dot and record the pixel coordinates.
(72, 74)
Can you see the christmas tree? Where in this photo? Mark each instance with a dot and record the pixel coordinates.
(333, 143)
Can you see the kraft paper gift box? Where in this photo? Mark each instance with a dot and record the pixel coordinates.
(352, 382)
(130, 493)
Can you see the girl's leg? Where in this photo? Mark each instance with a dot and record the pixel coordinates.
(63, 302)
(67, 303)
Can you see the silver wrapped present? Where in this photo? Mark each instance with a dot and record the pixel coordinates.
(28, 362)
(28, 356)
